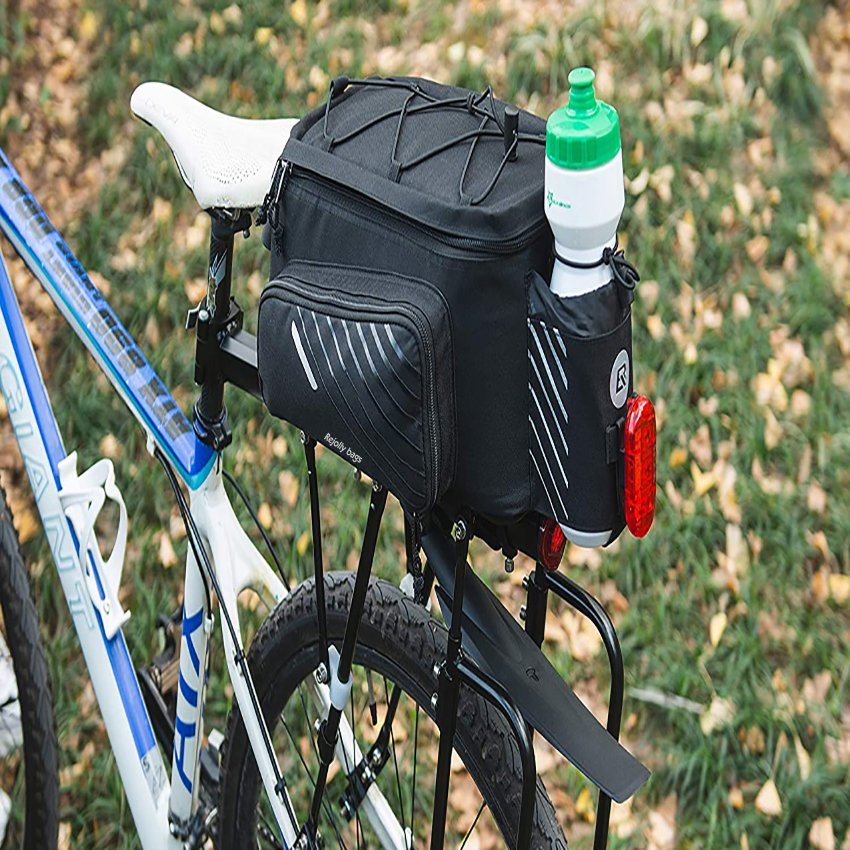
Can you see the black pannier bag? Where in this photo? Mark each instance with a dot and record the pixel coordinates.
(411, 177)
(409, 206)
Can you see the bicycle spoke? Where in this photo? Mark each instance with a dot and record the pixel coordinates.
(307, 718)
(267, 833)
(395, 761)
(357, 825)
(328, 809)
(413, 780)
(472, 826)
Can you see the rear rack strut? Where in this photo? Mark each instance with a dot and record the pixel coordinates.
(538, 585)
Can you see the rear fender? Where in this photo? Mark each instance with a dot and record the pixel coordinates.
(496, 642)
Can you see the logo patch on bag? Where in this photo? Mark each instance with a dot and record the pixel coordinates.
(619, 382)
(340, 447)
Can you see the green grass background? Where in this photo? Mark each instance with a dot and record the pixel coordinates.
(725, 142)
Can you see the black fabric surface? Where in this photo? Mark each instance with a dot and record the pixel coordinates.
(322, 220)
(429, 192)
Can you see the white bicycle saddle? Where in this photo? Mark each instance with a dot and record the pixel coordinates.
(226, 161)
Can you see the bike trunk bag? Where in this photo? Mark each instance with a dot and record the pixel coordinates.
(406, 226)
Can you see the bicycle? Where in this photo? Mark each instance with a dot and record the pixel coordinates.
(307, 691)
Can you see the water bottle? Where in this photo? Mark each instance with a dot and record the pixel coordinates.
(584, 196)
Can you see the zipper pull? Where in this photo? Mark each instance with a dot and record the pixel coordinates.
(268, 209)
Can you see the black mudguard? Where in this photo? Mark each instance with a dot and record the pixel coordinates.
(496, 642)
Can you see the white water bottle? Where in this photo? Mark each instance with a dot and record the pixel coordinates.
(584, 196)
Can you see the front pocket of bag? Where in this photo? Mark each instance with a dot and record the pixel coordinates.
(367, 375)
(580, 378)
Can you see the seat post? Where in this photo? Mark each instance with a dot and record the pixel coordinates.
(213, 317)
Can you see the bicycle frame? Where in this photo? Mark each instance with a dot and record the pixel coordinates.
(162, 809)
(166, 811)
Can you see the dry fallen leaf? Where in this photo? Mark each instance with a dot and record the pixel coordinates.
(743, 199)
(678, 457)
(815, 689)
(703, 481)
(25, 524)
(581, 636)
(741, 308)
(839, 588)
(817, 540)
(820, 584)
(623, 822)
(719, 713)
(821, 835)
(289, 487)
(816, 498)
(64, 836)
(699, 30)
(303, 543)
(804, 760)
(110, 447)
(264, 515)
(298, 11)
(716, 627)
(767, 800)
(772, 430)
(661, 834)
(167, 555)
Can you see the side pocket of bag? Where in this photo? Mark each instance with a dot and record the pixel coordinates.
(361, 360)
(580, 378)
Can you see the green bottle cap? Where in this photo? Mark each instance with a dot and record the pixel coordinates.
(586, 132)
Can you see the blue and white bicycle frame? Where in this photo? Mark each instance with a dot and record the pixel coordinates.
(68, 504)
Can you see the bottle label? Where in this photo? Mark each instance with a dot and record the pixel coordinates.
(552, 201)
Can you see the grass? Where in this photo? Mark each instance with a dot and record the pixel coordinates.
(736, 339)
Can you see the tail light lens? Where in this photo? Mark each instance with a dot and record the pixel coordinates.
(639, 447)
(551, 543)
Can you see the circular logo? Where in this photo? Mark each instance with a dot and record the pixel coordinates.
(619, 382)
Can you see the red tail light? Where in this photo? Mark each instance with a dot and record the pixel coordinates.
(551, 543)
(639, 446)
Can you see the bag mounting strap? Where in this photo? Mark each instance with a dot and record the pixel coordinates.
(318, 566)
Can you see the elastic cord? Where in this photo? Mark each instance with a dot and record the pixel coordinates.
(621, 269)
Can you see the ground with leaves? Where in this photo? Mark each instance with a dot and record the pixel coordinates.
(736, 131)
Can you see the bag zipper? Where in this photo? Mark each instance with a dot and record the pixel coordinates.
(268, 211)
(468, 243)
(307, 291)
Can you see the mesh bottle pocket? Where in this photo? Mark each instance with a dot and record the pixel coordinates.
(580, 377)
(361, 360)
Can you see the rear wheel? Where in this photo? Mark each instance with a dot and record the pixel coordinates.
(399, 644)
(29, 791)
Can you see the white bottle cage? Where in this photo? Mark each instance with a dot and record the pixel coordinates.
(82, 498)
